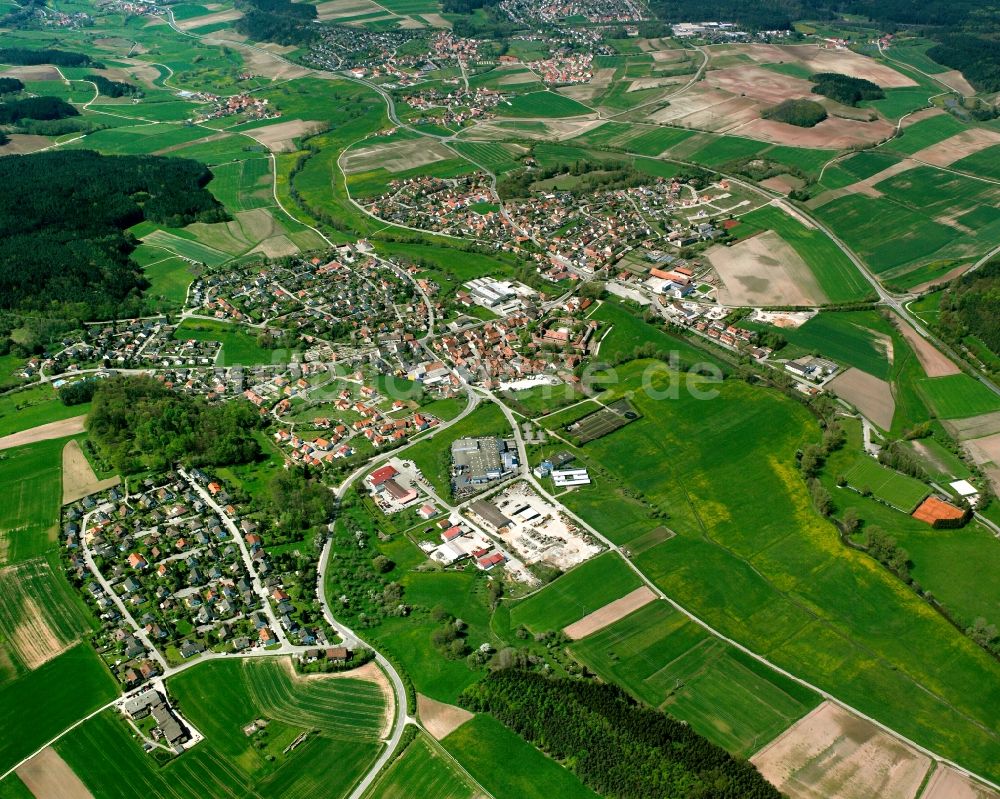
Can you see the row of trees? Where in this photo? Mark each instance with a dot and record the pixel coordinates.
(137, 422)
(615, 746)
(63, 217)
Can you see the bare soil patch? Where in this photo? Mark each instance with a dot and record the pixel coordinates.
(958, 146)
(956, 80)
(846, 62)
(832, 133)
(783, 183)
(228, 15)
(276, 247)
(30, 636)
(395, 156)
(280, 137)
(440, 719)
(869, 394)
(39, 72)
(761, 84)
(975, 426)
(764, 270)
(47, 776)
(985, 452)
(24, 143)
(946, 783)
(833, 753)
(732, 114)
(78, 478)
(257, 60)
(610, 613)
(934, 363)
(45, 432)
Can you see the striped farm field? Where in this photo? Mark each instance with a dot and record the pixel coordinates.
(186, 248)
(243, 185)
(495, 157)
(671, 663)
(423, 771)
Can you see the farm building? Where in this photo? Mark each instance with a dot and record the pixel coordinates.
(570, 477)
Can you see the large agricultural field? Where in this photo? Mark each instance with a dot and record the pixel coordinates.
(615, 161)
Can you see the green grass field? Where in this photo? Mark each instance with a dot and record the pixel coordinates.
(958, 396)
(541, 104)
(506, 765)
(629, 332)
(186, 248)
(495, 157)
(243, 185)
(422, 771)
(31, 407)
(849, 337)
(925, 133)
(836, 275)
(169, 279)
(754, 560)
(41, 704)
(29, 504)
(899, 490)
(671, 663)
(985, 163)
(239, 344)
(589, 586)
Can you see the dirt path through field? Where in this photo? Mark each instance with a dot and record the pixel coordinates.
(47, 776)
(438, 718)
(44, 432)
(610, 613)
(78, 478)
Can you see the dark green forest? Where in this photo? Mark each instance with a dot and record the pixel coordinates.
(279, 21)
(63, 216)
(61, 58)
(971, 307)
(10, 85)
(801, 113)
(113, 88)
(137, 423)
(845, 89)
(617, 747)
(42, 108)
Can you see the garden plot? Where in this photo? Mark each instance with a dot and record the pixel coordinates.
(764, 270)
(539, 532)
(832, 752)
(870, 395)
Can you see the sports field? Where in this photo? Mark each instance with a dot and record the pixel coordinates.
(670, 663)
(589, 586)
(899, 490)
(423, 771)
(958, 396)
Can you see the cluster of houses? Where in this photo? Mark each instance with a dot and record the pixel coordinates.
(350, 297)
(446, 45)
(564, 69)
(128, 344)
(184, 572)
(581, 232)
(454, 107)
(250, 107)
(333, 439)
(488, 354)
(372, 52)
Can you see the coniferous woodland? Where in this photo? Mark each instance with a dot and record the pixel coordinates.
(617, 747)
(10, 85)
(279, 21)
(45, 108)
(801, 113)
(63, 216)
(60, 58)
(113, 88)
(137, 422)
(845, 89)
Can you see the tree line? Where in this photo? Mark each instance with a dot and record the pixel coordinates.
(617, 747)
(24, 56)
(63, 217)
